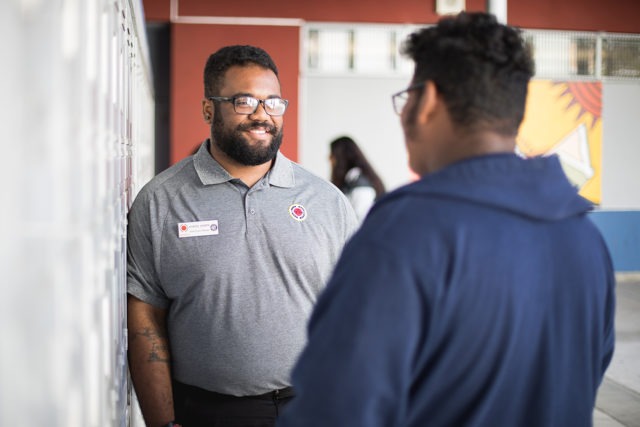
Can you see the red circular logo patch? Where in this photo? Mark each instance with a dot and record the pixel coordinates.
(298, 212)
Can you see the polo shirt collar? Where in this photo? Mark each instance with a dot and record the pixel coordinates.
(211, 172)
(281, 174)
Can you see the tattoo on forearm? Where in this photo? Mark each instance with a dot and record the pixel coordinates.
(159, 349)
(159, 353)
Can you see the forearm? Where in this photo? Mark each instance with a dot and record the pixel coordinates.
(149, 362)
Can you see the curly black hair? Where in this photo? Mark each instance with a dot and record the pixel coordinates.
(229, 56)
(481, 68)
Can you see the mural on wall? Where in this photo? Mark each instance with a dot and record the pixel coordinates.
(564, 118)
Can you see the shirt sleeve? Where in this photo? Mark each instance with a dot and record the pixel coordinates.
(363, 336)
(142, 277)
(351, 221)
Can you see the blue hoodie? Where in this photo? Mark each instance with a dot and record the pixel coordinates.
(481, 295)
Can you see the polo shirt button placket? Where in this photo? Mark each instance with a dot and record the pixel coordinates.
(250, 218)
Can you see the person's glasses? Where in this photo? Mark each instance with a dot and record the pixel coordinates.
(243, 104)
(399, 99)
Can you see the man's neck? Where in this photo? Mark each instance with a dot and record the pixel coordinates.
(480, 143)
(461, 146)
(247, 174)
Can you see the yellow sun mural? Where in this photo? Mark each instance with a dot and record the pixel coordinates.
(564, 118)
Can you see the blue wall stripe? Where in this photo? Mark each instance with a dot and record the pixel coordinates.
(621, 231)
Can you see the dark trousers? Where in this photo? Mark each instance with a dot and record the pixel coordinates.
(196, 407)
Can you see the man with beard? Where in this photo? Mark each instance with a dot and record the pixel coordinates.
(227, 252)
(480, 295)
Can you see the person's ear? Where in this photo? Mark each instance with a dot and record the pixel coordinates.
(428, 102)
(207, 110)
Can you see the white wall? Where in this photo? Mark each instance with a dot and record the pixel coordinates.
(621, 145)
(359, 107)
(76, 115)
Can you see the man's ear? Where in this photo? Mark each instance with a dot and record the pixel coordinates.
(207, 110)
(428, 102)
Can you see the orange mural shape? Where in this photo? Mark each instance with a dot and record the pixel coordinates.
(564, 118)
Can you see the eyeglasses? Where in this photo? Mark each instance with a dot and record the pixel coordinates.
(399, 99)
(243, 104)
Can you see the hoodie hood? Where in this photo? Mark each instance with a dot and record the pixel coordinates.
(536, 187)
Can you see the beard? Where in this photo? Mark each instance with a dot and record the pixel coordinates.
(234, 144)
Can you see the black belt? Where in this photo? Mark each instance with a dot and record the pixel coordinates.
(283, 393)
(190, 390)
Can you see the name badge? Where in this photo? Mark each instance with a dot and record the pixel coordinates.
(198, 228)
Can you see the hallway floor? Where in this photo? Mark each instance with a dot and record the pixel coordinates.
(618, 402)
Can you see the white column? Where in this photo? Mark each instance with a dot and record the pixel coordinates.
(499, 9)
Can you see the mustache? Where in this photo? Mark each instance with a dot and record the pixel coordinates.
(269, 128)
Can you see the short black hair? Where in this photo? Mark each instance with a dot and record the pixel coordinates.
(229, 56)
(481, 68)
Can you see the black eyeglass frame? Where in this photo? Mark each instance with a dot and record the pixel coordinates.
(233, 99)
(402, 96)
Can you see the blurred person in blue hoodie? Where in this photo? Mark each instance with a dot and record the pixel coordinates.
(481, 294)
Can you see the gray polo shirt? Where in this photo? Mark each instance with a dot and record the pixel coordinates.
(239, 269)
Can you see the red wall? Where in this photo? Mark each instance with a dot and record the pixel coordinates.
(583, 15)
(401, 11)
(192, 44)
(621, 16)
(410, 11)
(156, 10)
